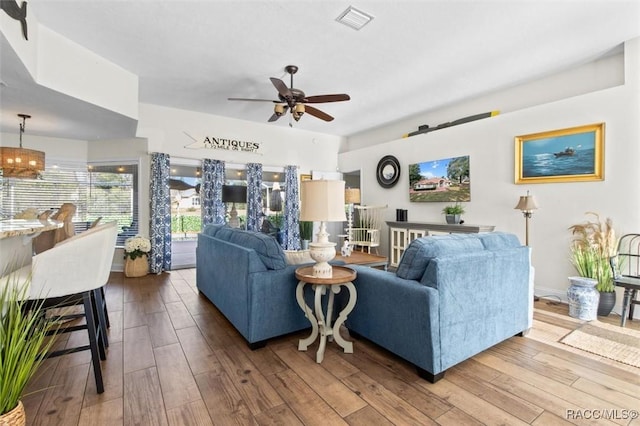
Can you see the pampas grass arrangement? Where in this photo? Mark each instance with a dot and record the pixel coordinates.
(593, 245)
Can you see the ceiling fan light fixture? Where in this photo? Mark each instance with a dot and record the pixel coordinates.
(297, 111)
(278, 109)
(354, 18)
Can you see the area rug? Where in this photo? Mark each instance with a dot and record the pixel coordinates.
(609, 341)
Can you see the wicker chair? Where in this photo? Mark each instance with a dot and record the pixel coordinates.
(367, 234)
(48, 239)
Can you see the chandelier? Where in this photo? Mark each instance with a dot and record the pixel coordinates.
(21, 162)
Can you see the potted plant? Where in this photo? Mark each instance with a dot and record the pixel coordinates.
(452, 213)
(306, 230)
(135, 253)
(593, 246)
(23, 339)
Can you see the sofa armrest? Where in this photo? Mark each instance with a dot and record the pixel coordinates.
(397, 314)
(484, 299)
(222, 275)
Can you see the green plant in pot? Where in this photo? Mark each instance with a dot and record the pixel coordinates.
(593, 246)
(306, 231)
(452, 213)
(23, 338)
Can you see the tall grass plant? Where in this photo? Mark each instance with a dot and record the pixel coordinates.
(23, 338)
(594, 244)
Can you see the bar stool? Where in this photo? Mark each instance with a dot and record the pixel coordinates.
(73, 273)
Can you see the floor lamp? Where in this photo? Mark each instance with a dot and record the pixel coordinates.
(234, 194)
(527, 204)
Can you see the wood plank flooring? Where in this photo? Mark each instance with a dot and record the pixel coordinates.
(175, 360)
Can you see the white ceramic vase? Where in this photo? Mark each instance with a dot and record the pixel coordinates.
(583, 298)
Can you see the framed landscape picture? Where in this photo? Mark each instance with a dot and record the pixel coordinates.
(444, 180)
(575, 154)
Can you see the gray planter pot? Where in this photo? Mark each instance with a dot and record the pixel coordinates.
(606, 303)
(452, 219)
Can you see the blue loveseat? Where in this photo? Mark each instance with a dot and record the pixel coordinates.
(451, 297)
(246, 276)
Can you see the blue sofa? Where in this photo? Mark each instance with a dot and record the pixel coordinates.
(246, 276)
(451, 297)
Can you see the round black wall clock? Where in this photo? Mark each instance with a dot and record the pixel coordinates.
(388, 171)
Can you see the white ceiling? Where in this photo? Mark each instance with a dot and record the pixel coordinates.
(415, 56)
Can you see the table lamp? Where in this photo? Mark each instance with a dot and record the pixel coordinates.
(234, 194)
(351, 197)
(527, 204)
(322, 201)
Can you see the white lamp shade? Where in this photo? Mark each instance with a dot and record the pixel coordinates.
(526, 203)
(322, 200)
(352, 195)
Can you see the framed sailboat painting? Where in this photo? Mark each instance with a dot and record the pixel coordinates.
(574, 154)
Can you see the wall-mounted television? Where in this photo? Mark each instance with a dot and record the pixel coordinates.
(444, 180)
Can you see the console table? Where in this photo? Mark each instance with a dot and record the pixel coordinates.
(363, 258)
(402, 233)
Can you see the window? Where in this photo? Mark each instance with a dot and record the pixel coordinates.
(113, 195)
(98, 190)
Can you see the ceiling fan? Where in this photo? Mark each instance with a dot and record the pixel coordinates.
(290, 98)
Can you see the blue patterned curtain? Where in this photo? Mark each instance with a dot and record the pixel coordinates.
(254, 196)
(212, 207)
(160, 227)
(291, 209)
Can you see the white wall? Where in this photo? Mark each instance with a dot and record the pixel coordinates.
(54, 148)
(603, 73)
(62, 65)
(490, 145)
(280, 145)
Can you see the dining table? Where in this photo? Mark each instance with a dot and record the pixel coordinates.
(16, 238)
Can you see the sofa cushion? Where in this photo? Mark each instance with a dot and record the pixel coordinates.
(212, 230)
(498, 240)
(421, 250)
(265, 246)
(298, 257)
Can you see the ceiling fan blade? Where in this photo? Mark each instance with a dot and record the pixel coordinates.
(253, 100)
(275, 116)
(326, 98)
(317, 113)
(282, 88)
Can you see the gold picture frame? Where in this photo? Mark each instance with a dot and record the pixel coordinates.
(575, 154)
(305, 177)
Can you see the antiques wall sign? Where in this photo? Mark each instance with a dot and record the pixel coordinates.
(212, 142)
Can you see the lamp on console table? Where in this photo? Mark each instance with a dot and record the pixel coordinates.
(234, 194)
(527, 204)
(322, 201)
(351, 197)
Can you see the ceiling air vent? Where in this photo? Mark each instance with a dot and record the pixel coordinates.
(354, 18)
